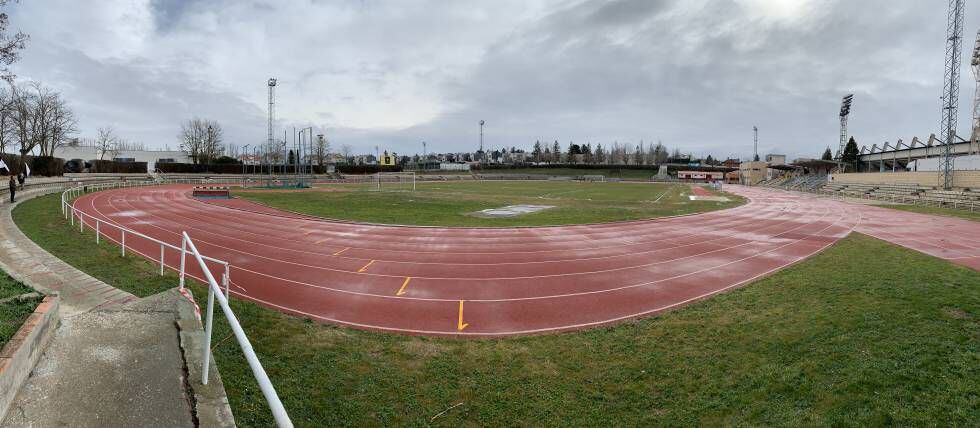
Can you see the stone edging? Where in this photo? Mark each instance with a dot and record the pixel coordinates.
(210, 404)
(18, 357)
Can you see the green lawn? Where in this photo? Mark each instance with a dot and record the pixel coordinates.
(949, 212)
(452, 203)
(625, 174)
(13, 312)
(865, 333)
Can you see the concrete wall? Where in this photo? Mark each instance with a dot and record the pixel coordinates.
(20, 354)
(963, 179)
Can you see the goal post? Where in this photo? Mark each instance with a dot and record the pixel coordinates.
(395, 181)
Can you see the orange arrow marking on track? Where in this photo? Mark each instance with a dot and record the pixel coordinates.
(339, 252)
(461, 325)
(404, 284)
(366, 266)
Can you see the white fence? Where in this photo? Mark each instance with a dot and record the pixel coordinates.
(118, 234)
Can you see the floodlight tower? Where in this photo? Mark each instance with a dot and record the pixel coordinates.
(272, 109)
(951, 90)
(755, 144)
(976, 96)
(482, 122)
(845, 110)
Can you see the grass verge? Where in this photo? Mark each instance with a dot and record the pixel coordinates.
(949, 212)
(14, 311)
(454, 203)
(845, 338)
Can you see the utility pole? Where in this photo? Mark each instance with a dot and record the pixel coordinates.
(755, 145)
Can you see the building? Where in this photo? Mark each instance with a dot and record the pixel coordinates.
(701, 176)
(776, 159)
(752, 173)
(389, 159)
(151, 157)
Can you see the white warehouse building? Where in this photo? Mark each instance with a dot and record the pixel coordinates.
(151, 157)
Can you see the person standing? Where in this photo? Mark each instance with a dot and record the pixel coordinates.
(13, 188)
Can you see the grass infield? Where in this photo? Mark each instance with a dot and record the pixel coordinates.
(864, 333)
(949, 212)
(453, 203)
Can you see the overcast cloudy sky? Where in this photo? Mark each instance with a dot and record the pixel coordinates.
(696, 74)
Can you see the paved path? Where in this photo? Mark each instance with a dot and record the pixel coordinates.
(115, 359)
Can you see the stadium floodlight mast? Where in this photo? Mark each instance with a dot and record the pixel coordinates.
(951, 90)
(272, 109)
(845, 110)
(975, 63)
(482, 122)
(755, 143)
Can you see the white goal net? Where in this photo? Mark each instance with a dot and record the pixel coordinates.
(394, 181)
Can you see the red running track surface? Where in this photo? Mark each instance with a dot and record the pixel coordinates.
(501, 282)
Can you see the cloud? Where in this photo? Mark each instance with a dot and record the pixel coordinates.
(697, 74)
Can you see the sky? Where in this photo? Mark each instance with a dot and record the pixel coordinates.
(696, 75)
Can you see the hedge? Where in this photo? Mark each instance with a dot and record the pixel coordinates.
(190, 168)
(47, 166)
(113, 167)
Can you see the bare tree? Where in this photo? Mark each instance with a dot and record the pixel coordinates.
(106, 143)
(347, 152)
(10, 46)
(320, 150)
(7, 131)
(201, 139)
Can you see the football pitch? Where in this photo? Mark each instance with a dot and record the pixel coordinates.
(461, 203)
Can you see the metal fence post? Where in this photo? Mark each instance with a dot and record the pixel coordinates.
(207, 336)
(97, 231)
(81, 223)
(225, 280)
(161, 259)
(123, 242)
(183, 260)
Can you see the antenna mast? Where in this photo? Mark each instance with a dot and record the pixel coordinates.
(951, 90)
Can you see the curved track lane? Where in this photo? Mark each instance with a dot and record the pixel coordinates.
(492, 282)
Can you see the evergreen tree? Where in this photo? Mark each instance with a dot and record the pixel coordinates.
(291, 159)
(536, 153)
(556, 152)
(600, 154)
(827, 155)
(850, 155)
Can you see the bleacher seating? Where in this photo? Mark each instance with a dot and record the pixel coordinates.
(905, 193)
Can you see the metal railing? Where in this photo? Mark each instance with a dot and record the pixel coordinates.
(102, 227)
(269, 391)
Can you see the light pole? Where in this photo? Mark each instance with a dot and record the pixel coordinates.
(424, 155)
(245, 156)
(482, 122)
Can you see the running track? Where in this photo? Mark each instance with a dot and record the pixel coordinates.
(500, 282)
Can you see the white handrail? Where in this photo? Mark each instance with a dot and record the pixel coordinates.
(69, 210)
(269, 391)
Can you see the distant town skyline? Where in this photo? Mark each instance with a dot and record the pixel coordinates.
(696, 75)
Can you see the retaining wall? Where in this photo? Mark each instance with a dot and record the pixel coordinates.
(20, 354)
